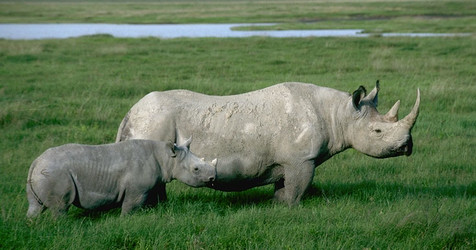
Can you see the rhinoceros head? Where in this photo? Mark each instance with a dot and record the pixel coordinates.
(380, 135)
(190, 169)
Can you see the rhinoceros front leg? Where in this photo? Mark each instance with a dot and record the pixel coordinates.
(297, 179)
(132, 201)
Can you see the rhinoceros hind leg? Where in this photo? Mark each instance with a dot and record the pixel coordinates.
(279, 191)
(59, 203)
(34, 206)
(34, 210)
(59, 211)
(60, 195)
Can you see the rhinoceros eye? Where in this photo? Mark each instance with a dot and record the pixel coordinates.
(378, 131)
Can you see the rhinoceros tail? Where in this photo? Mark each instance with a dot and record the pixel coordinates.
(36, 206)
(123, 129)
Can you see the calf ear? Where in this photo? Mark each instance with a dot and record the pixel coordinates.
(180, 151)
(358, 95)
(171, 146)
(186, 144)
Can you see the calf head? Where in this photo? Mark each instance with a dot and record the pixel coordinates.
(375, 134)
(190, 169)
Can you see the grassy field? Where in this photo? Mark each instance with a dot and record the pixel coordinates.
(77, 90)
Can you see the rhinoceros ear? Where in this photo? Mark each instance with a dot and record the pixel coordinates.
(179, 138)
(373, 95)
(357, 96)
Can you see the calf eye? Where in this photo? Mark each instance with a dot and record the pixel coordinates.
(195, 169)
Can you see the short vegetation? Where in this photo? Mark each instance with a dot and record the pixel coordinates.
(54, 92)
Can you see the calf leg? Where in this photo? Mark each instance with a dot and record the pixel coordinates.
(161, 193)
(61, 210)
(297, 179)
(57, 192)
(155, 195)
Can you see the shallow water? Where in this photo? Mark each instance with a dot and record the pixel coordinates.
(61, 31)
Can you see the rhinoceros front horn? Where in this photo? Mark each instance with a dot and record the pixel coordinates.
(410, 119)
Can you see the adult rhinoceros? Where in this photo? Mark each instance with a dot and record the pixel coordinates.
(274, 135)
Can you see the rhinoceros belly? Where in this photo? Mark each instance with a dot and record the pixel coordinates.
(97, 186)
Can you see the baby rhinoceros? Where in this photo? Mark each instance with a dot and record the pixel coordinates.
(129, 174)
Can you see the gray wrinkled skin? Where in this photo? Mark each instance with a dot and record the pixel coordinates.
(128, 174)
(274, 135)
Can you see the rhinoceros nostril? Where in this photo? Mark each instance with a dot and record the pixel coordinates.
(211, 179)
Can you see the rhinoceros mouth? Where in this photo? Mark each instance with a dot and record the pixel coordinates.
(210, 184)
(406, 149)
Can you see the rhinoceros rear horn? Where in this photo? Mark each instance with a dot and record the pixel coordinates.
(410, 119)
(392, 114)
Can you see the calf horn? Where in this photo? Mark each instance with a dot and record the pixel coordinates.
(410, 119)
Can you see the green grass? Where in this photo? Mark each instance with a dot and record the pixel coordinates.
(77, 90)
